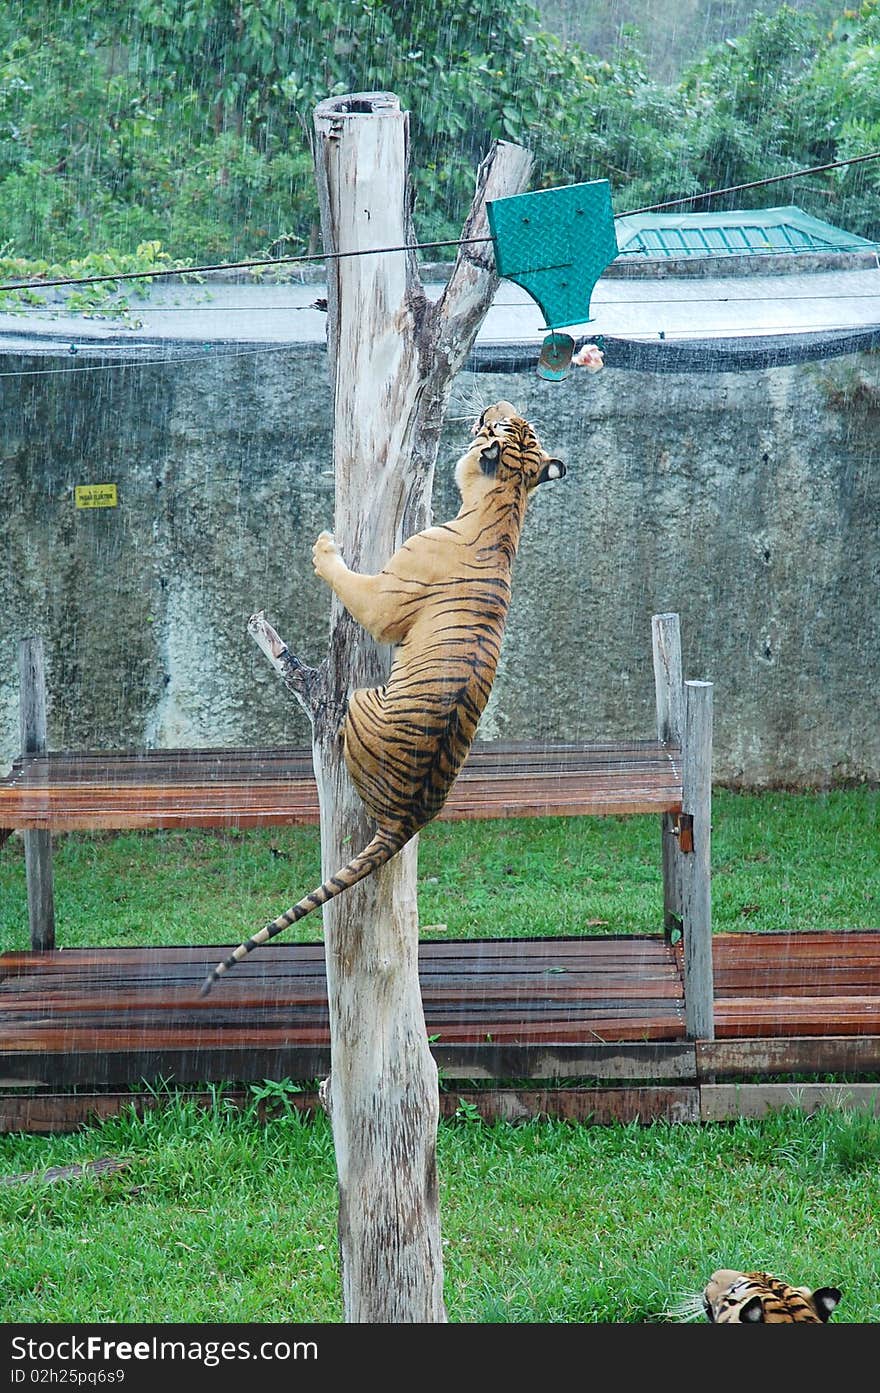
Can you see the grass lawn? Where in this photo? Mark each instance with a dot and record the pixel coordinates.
(780, 861)
(218, 1217)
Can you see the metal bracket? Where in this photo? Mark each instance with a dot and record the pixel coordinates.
(684, 830)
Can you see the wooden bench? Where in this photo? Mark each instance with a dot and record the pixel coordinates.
(64, 791)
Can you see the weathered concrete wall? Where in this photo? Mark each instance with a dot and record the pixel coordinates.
(749, 502)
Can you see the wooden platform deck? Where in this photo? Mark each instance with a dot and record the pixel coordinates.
(560, 1009)
(66, 791)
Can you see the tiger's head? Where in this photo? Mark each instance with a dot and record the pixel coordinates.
(743, 1298)
(505, 452)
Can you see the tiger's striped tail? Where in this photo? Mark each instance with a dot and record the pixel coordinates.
(384, 845)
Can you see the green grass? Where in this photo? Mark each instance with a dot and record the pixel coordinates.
(780, 861)
(220, 1218)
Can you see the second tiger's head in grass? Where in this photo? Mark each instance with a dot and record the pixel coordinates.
(748, 1298)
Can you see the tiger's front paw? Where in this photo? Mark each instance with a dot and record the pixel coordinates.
(324, 553)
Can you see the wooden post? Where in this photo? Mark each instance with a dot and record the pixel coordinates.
(666, 643)
(382, 1094)
(696, 883)
(393, 356)
(37, 844)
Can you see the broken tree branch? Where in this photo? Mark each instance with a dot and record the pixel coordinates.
(471, 287)
(299, 679)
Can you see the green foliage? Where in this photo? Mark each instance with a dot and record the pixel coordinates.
(147, 256)
(187, 122)
(786, 95)
(468, 1112)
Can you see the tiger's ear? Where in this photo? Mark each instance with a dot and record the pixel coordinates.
(752, 1311)
(553, 469)
(490, 456)
(825, 1300)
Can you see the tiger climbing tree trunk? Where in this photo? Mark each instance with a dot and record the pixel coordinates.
(393, 355)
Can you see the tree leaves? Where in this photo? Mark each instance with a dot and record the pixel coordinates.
(189, 121)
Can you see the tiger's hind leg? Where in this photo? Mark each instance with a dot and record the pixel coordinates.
(371, 767)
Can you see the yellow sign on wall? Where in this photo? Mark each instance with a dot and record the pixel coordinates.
(95, 495)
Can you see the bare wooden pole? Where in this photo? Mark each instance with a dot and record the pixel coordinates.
(695, 866)
(392, 356)
(666, 643)
(38, 844)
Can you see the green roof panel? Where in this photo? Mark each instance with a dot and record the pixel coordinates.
(754, 231)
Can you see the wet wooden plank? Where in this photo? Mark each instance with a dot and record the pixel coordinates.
(444, 954)
(568, 783)
(114, 1066)
(183, 765)
(840, 1023)
(592, 946)
(65, 1112)
(615, 1061)
(599, 1106)
(853, 983)
(286, 814)
(245, 997)
(630, 944)
(313, 1030)
(523, 991)
(456, 962)
(821, 969)
(568, 979)
(26, 1028)
(724, 1102)
(588, 946)
(832, 1015)
(69, 960)
(828, 1054)
(741, 951)
(46, 1113)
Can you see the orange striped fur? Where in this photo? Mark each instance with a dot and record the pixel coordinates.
(742, 1298)
(443, 600)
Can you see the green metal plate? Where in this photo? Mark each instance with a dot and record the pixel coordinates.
(556, 243)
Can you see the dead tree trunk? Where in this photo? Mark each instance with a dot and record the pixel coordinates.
(393, 356)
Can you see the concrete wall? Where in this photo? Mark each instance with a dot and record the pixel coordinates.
(749, 502)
